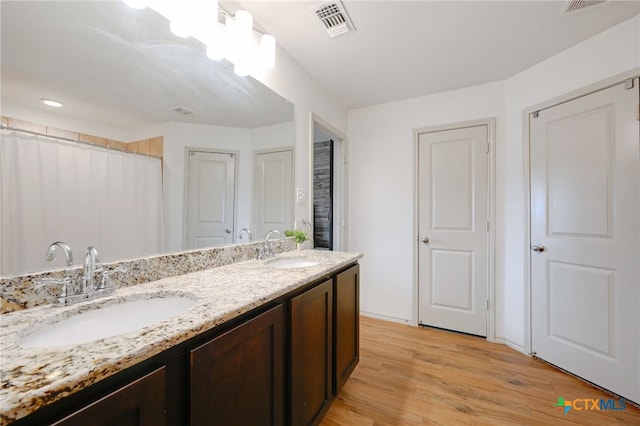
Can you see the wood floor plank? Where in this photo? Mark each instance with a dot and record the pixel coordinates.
(421, 376)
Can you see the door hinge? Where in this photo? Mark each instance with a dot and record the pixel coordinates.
(487, 305)
(628, 84)
(536, 114)
(488, 147)
(488, 227)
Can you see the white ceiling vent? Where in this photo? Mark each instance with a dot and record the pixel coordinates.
(574, 5)
(182, 110)
(334, 17)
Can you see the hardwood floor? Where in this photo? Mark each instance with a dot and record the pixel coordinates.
(421, 376)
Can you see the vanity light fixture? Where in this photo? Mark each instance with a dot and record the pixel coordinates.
(235, 39)
(52, 103)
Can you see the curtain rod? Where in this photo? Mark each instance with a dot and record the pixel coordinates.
(62, 138)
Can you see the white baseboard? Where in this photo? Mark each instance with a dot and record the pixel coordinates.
(387, 318)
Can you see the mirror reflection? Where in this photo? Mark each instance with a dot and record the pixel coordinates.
(206, 153)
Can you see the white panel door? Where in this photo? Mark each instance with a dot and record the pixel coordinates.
(453, 251)
(274, 192)
(210, 199)
(585, 186)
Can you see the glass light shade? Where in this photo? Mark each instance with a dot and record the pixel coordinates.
(243, 25)
(268, 50)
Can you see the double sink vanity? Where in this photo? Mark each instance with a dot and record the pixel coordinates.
(249, 343)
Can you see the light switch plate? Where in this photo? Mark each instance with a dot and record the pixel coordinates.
(301, 195)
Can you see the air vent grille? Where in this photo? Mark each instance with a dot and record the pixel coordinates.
(333, 17)
(574, 5)
(182, 110)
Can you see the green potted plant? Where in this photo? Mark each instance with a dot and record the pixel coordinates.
(298, 236)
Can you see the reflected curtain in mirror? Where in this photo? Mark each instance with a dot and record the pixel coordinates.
(54, 190)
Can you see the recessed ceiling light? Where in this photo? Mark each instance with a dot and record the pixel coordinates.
(52, 102)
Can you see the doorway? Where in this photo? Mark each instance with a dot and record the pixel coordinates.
(585, 209)
(210, 198)
(453, 196)
(323, 159)
(329, 195)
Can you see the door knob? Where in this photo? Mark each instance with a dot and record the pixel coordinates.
(228, 231)
(425, 240)
(538, 248)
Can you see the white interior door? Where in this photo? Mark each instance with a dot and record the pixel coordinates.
(274, 192)
(585, 185)
(452, 224)
(210, 199)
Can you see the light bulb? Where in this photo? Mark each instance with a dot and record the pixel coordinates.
(241, 69)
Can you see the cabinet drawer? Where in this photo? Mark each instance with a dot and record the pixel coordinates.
(139, 403)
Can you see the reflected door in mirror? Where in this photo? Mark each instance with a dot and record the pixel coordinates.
(274, 191)
(210, 199)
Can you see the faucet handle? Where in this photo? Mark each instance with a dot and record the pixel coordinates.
(260, 252)
(105, 280)
(65, 288)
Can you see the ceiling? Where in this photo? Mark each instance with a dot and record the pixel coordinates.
(106, 60)
(404, 49)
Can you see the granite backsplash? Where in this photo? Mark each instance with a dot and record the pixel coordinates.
(24, 291)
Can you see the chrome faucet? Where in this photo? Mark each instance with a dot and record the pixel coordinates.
(268, 247)
(310, 233)
(246, 231)
(50, 256)
(91, 266)
(85, 287)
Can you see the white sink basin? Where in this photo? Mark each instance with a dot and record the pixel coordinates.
(290, 262)
(107, 321)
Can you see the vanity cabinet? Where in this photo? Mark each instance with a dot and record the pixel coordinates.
(237, 378)
(139, 403)
(311, 357)
(346, 325)
(279, 364)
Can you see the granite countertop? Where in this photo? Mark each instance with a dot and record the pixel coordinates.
(33, 377)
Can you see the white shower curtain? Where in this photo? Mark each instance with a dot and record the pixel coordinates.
(52, 190)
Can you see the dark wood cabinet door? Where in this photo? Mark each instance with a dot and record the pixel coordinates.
(237, 378)
(346, 331)
(311, 354)
(139, 403)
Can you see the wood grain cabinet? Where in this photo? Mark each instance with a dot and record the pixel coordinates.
(237, 378)
(139, 403)
(346, 325)
(311, 366)
(281, 364)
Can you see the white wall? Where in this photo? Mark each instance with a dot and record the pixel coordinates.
(382, 173)
(381, 188)
(292, 82)
(60, 121)
(608, 54)
(179, 136)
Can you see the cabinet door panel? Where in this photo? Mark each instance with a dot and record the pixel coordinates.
(311, 354)
(140, 403)
(347, 325)
(237, 377)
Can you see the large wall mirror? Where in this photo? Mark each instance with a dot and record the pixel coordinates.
(123, 75)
